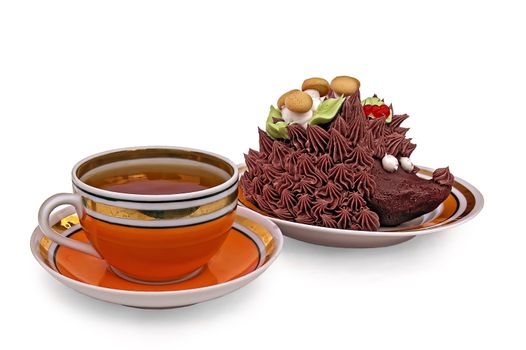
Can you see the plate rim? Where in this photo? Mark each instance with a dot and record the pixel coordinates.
(479, 204)
(273, 229)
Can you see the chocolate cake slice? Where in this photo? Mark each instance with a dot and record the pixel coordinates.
(401, 196)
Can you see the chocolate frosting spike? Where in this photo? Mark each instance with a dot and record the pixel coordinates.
(328, 221)
(317, 139)
(377, 127)
(338, 147)
(354, 201)
(368, 220)
(357, 128)
(252, 164)
(297, 135)
(265, 142)
(364, 183)
(341, 126)
(397, 120)
(360, 156)
(407, 148)
(344, 218)
(304, 204)
(342, 175)
(393, 144)
(401, 131)
(352, 108)
(278, 154)
(443, 177)
(324, 163)
(287, 200)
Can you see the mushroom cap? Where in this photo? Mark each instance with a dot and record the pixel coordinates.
(281, 99)
(319, 84)
(298, 101)
(345, 85)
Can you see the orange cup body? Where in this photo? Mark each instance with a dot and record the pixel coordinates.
(157, 254)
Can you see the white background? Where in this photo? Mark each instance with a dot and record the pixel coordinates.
(82, 77)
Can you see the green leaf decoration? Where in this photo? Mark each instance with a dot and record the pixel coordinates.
(276, 130)
(326, 111)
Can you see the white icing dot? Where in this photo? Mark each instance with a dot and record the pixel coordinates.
(406, 164)
(390, 163)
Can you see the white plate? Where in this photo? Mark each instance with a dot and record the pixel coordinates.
(463, 204)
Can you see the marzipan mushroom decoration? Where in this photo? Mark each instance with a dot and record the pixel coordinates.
(329, 159)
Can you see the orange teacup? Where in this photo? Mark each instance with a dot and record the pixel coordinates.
(155, 214)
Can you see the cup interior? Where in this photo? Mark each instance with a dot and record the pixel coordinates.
(161, 173)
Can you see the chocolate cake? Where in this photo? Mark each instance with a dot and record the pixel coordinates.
(327, 158)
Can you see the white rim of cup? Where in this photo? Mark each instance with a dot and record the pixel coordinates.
(157, 197)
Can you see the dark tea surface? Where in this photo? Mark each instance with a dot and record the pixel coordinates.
(155, 177)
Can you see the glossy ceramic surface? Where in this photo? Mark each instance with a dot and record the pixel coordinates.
(464, 203)
(251, 246)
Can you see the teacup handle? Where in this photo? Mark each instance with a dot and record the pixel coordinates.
(43, 221)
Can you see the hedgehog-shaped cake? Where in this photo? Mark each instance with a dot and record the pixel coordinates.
(329, 159)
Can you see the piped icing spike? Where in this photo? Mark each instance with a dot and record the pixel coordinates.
(265, 142)
(368, 220)
(352, 108)
(304, 204)
(330, 190)
(304, 186)
(306, 165)
(365, 183)
(328, 221)
(252, 164)
(357, 128)
(270, 172)
(298, 136)
(324, 163)
(393, 143)
(270, 194)
(321, 206)
(407, 148)
(397, 120)
(360, 156)
(344, 218)
(317, 139)
(401, 131)
(341, 126)
(377, 127)
(338, 147)
(257, 184)
(342, 175)
(379, 149)
(443, 177)
(368, 141)
(291, 161)
(354, 201)
(285, 182)
(278, 154)
(287, 200)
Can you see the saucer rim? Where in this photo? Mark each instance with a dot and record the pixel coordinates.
(479, 204)
(272, 228)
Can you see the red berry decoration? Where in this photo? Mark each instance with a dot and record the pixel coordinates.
(374, 107)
